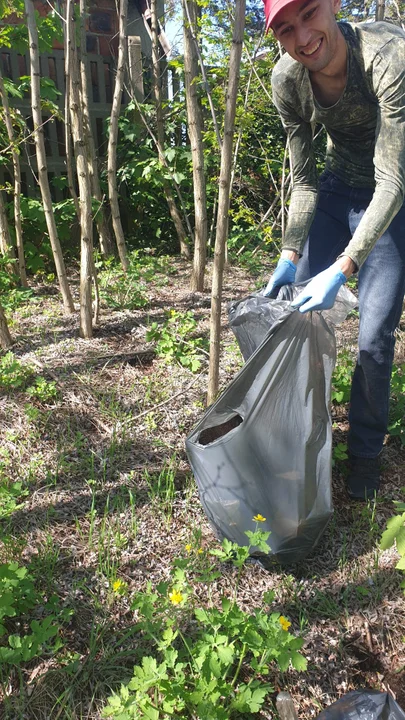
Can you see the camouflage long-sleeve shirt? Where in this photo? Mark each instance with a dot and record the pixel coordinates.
(365, 131)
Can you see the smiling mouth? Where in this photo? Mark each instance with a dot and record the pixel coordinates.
(313, 50)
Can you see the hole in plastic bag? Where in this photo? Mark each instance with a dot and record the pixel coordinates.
(217, 431)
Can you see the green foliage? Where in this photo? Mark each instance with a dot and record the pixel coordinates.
(339, 453)
(394, 535)
(130, 290)
(208, 662)
(10, 494)
(396, 425)
(176, 339)
(43, 390)
(37, 247)
(12, 296)
(16, 36)
(18, 598)
(341, 385)
(48, 89)
(342, 378)
(13, 374)
(144, 177)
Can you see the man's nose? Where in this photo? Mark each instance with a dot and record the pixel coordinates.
(303, 36)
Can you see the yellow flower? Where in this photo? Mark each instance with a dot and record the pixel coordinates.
(259, 518)
(175, 597)
(285, 624)
(200, 551)
(118, 586)
(189, 548)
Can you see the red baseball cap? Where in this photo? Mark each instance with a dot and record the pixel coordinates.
(271, 8)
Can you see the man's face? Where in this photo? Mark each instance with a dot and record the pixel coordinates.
(308, 31)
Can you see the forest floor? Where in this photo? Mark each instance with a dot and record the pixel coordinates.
(107, 495)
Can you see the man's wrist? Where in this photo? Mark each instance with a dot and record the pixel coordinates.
(346, 265)
(290, 255)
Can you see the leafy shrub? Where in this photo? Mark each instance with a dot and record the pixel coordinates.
(176, 341)
(43, 390)
(10, 493)
(13, 374)
(130, 290)
(203, 655)
(18, 598)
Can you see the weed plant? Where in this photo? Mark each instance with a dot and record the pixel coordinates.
(208, 662)
(129, 290)
(342, 378)
(176, 339)
(13, 374)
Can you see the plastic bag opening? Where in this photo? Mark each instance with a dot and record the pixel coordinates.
(210, 434)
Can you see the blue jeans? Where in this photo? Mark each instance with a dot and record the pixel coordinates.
(381, 294)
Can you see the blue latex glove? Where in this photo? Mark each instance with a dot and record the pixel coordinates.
(284, 274)
(321, 291)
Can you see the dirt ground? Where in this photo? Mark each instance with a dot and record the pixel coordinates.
(122, 414)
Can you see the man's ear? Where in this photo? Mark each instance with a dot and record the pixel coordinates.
(336, 5)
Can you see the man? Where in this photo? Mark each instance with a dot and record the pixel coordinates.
(351, 79)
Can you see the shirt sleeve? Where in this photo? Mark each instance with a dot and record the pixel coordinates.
(388, 78)
(304, 194)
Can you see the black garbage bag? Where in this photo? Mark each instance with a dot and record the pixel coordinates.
(363, 705)
(264, 447)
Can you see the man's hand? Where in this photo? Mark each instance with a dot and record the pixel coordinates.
(284, 274)
(321, 291)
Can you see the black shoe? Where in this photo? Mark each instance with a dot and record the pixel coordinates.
(363, 480)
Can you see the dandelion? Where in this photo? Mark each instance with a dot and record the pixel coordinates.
(200, 551)
(189, 548)
(175, 597)
(285, 624)
(259, 518)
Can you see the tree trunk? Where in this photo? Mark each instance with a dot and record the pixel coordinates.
(106, 243)
(17, 186)
(41, 158)
(157, 89)
(68, 129)
(5, 237)
(83, 177)
(204, 76)
(380, 10)
(5, 337)
(224, 197)
(113, 136)
(195, 132)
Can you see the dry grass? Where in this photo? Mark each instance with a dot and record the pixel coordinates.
(90, 460)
